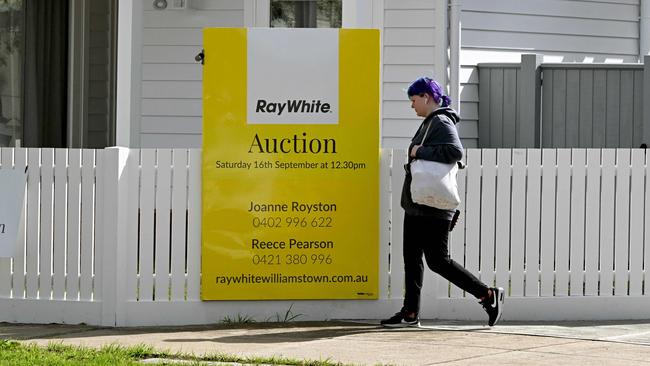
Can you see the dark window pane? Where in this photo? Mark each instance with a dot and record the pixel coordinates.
(11, 62)
(306, 14)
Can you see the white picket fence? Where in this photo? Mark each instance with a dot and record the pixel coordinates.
(113, 237)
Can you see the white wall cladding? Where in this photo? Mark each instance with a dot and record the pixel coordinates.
(409, 51)
(560, 30)
(572, 31)
(171, 106)
(171, 80)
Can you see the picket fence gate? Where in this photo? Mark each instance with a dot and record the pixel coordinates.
(112, 237)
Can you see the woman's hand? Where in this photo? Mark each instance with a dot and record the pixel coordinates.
(414, 150)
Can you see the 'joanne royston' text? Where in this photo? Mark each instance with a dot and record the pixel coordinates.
(294, 206)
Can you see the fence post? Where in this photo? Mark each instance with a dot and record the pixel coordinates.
(646, 99)
(114, 201)
(529, 85)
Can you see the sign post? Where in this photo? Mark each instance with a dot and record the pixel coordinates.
(290, 164)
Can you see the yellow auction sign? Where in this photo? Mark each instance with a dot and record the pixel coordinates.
(290, 164)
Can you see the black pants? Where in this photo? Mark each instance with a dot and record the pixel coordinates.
(429, 236)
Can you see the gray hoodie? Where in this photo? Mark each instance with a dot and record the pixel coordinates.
(441, 144)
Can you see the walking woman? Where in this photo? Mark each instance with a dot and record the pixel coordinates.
(426, 229)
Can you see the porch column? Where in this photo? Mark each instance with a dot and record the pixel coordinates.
(129, 77)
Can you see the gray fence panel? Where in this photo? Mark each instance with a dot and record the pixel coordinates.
(496, 106)
(626, 113)
(613, 111)
(558, 112)
(591, 107)
(510, 103)
(572, 110)
(582, 105)
(586, 90)
(598, 106)
(638, 108)
(548, 84)
(484, 107)
(498, 88)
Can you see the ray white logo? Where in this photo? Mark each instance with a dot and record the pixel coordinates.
(292, 106)
(293, 76)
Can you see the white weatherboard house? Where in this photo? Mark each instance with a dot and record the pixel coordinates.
(82, 76)
(130, 79)
(441, 38)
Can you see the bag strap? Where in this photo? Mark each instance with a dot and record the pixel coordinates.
(425, 132)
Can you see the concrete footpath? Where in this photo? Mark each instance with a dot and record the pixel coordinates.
(365, 343)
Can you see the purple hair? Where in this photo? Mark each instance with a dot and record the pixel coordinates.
(425, 85)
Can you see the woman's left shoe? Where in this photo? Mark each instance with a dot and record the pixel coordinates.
(401, 319)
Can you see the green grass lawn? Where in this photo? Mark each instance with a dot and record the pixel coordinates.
(15, 353)
(18, 354)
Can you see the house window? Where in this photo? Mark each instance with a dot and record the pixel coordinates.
(306, 14)
(56, 73)
(33, 72)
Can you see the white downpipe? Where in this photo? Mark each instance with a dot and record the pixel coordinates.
(454, 53)
(644, 29)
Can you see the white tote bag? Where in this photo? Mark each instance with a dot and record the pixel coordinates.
(433, 183)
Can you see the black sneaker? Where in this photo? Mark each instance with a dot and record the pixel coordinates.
(401, 320)
(493, 305)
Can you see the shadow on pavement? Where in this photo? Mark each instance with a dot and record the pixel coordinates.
(294, 335)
